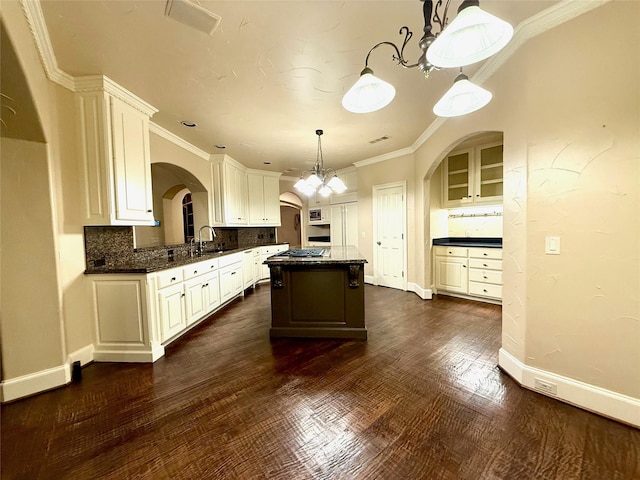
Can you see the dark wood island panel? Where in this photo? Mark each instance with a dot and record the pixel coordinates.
(318, 297)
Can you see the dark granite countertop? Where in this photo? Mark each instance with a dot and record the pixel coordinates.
(332, 255)
(484, 242)
(150, 266)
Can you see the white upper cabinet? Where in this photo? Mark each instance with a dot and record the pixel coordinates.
(473, 176)
(243, 196)
(116, 164)
(229, 196)
(264, 198)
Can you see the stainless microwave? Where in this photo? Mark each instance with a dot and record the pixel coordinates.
(315, 214)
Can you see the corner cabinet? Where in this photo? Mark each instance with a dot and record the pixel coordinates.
(264, 198)
(114, 143)
(473, 176)
(137, 315)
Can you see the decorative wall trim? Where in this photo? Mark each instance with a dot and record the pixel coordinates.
(104, 355)
(385, 157)
(84, 355)
(423, 293)
(34, 383)
(99, 83)
(173, 138)
(38, 26)
(594, 399)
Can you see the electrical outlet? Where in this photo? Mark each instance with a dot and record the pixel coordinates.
(545, 386)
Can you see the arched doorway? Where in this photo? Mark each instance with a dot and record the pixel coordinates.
(291, 225)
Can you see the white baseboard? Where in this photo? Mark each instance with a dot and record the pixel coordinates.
(369, 279)
(130, 356)
(33, 383)
(595, 399)
(84, 355)
(423, 293)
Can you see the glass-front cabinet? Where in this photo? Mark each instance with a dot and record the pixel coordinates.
(473, 176)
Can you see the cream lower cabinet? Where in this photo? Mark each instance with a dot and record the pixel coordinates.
(248, 268)
(452, 273)
(137, 314)
(469, 272)
(267, 251)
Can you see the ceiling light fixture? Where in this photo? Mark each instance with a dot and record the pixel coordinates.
(472, 36)
(320, 180)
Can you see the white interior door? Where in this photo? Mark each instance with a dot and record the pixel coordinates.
(390, 235)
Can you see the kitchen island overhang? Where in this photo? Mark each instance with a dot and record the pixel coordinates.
(318, 296)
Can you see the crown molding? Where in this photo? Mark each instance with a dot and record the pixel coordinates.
(38, 26)
(385, 157)
(173, 138)
(102, 83)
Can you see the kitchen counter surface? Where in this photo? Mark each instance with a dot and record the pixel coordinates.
(332, 255)
(154, 265)
(483, 242)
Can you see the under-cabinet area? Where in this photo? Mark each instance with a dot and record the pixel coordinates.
(137, 314)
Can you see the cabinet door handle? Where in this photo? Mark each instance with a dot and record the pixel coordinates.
(464, 266)
(173, 279)
(379, 243)
(149, 211)
(182, 295)
(233, 273)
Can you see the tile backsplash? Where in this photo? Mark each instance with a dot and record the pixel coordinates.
(115, 245)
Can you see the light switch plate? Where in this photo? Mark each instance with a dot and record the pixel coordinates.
(552, 245)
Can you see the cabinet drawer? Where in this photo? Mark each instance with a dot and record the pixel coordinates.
(200, 268)
(451, 251)
(485, 290)
(169, 277)
(485, 276)
(485, 264)
(231, 259)
(491, 253)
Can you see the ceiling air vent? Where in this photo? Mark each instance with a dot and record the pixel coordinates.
(381, 139)
(193, 15)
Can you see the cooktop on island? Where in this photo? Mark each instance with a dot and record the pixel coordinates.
(304, 252)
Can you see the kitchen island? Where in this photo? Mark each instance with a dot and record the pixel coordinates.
(318, 294)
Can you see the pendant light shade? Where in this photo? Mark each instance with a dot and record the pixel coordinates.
(368, 94)
(463, 97)
(471, 37)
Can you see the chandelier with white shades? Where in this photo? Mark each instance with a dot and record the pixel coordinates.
(322, 180)
(472, 36)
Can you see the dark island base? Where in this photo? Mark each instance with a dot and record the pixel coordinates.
(317, 301)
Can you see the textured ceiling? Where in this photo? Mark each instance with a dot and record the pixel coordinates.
(271, 74)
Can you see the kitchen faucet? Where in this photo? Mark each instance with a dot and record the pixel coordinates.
(213, 236)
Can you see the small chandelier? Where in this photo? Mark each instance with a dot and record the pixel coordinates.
(321, 180)
(472, 36)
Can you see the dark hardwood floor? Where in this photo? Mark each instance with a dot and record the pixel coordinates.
(421, 399)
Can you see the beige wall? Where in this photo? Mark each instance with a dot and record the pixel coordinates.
(396, 170)
(571, 141)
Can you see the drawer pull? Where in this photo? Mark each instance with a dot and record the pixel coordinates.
(182, 295)
(464, 266)
(173, 279)
(485, 254)
(195, 271)
(485, 265)
(485, 277)
(484, 290)
(233, 273)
